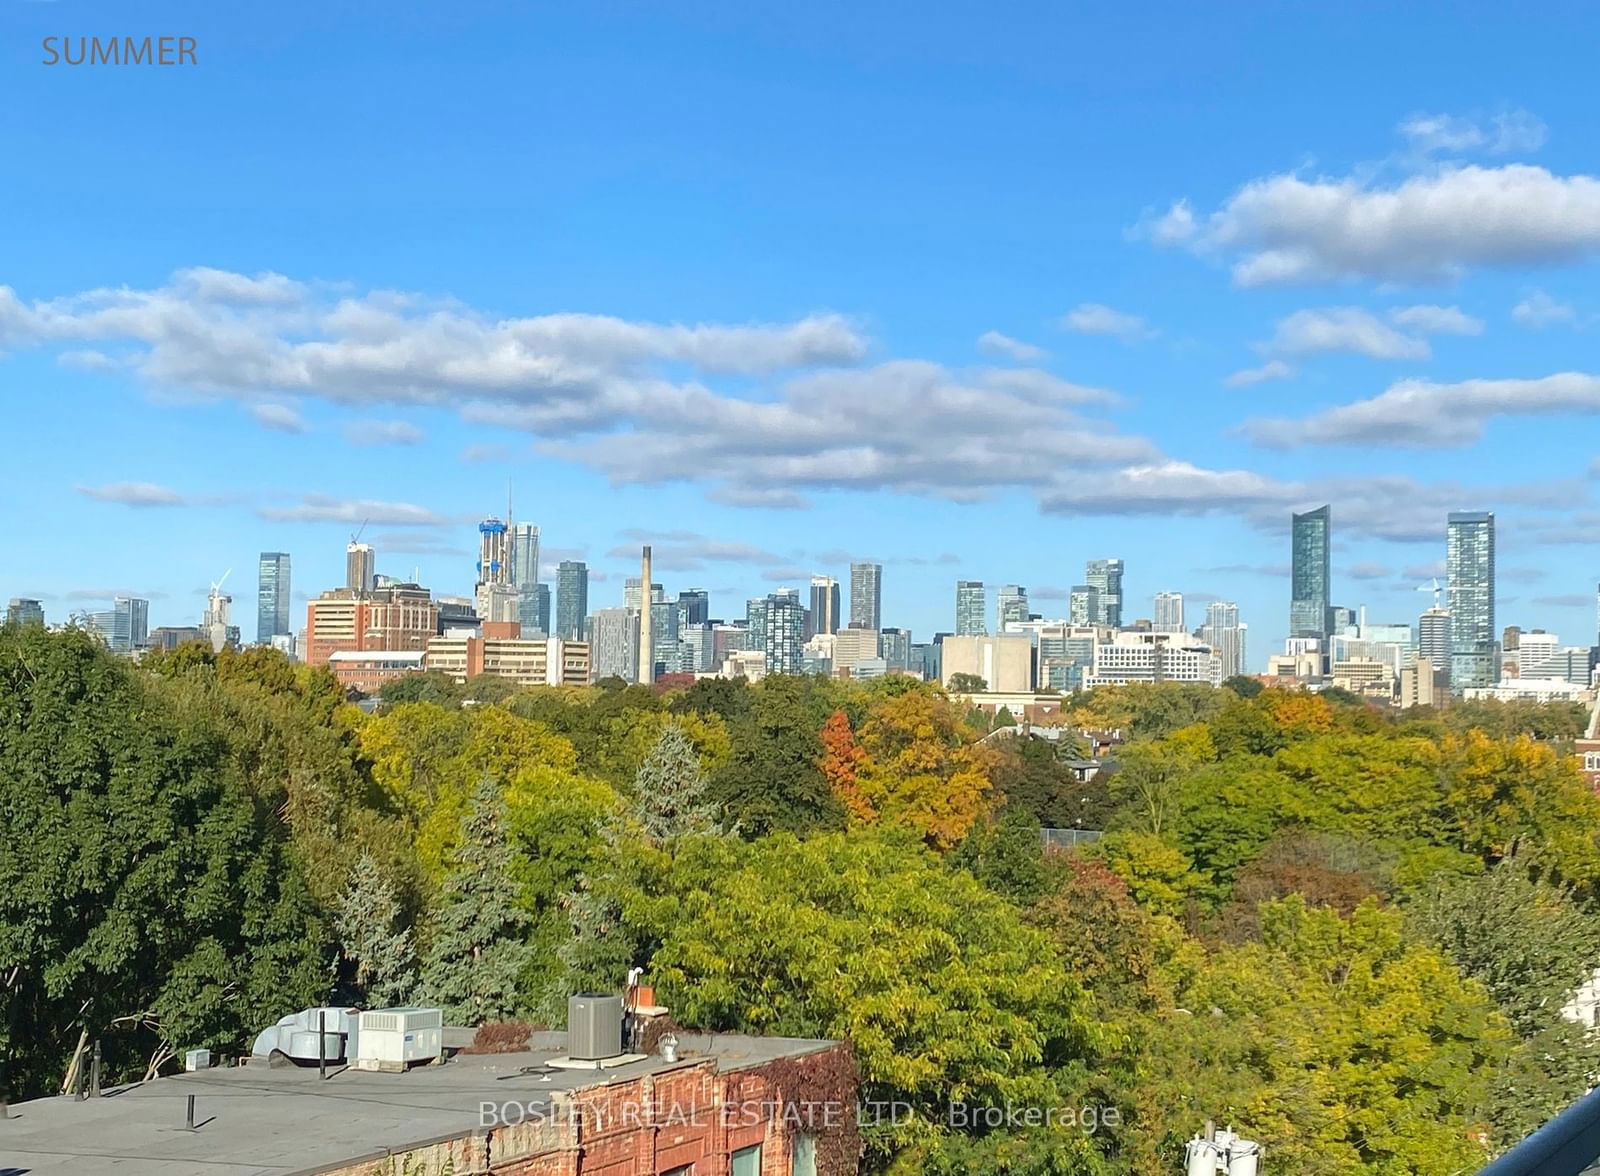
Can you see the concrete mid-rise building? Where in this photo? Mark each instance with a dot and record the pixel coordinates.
(533, 661)
(1005, 664)
(852, 646)
(1417, 684)
(1154, 657)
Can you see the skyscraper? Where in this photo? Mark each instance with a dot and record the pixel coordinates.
(1469, 567)
(972, 603)
(1011, 604)
(1310, 576)
(1083, 605)
(1434, 641)
(524, 577)
(360, 566)
(613, 635)
(1169, 613)
(824, 605)
(694, 608)
(785, 619)
(866, 596)
(1223, 632)
(24, 610)
(494, 552)
(755, 622)
(572, 599)
(1105, 577)
(272, 597)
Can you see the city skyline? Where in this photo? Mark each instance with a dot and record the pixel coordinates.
(1141, 336)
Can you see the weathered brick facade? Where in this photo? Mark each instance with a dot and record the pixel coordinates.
(691, 1116)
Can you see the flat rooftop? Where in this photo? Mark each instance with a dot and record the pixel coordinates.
(257, 1120)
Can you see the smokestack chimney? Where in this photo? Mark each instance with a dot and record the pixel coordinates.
(647, 649)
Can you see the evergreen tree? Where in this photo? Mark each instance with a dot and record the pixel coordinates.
(378, 949)
(479, 944)
(669, 792)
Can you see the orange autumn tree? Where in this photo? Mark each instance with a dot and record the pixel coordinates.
(842, 759)
(921, 768)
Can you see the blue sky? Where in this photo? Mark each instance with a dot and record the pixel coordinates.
(976, 292)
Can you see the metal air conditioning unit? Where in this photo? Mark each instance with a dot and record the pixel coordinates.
(392, 1039)
(594, 1026)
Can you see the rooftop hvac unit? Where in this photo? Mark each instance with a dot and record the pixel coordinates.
(295, 1036)
(392, 1039)
(594, 1026)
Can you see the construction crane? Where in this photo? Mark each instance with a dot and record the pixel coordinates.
(356, 538)
(1434, 588)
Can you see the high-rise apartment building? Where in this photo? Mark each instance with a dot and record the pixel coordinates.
(1169, 613)
(972, 604)
(1011, 604)
(523, 574)
(1434, 641)
(24, 610)
(784, 627)
(1105, 577)
(1083, 605)
(1469, 569)
(360, 567)
(824, 616)
(494, 552)
(1310, 573)
(272, 597)
(572, 599)
(614, 643)
(1224, 633)
(866, 596)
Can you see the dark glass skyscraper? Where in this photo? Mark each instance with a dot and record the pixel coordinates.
(272, 597)
(1310, 574)
(572, 599)
(1469, 568)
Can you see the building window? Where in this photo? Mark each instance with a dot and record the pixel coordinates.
(680, 1170)
(1591, 761)
(747, 1161)
(803, 1157)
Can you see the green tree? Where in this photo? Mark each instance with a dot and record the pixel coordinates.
(376, 946)
(867, 936)
(967, 684)
(773, 780)
(150, 892)
(478, 950)
(669, 793)
(1006, 855)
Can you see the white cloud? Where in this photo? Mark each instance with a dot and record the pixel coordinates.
(1538, 310)
(280, 418)
(139, 494)
(323, 508)
(1511, 131)
(993, 343)
(373, 432)
(1425, 413)
(1343, 328)
(1436, 320)
(1093, 318)
(1426, 228)
(1273, 369)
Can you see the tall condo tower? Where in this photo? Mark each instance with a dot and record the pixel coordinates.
(647, 655)
(1310, 591)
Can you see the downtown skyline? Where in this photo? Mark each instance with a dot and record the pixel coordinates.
(987, 340)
